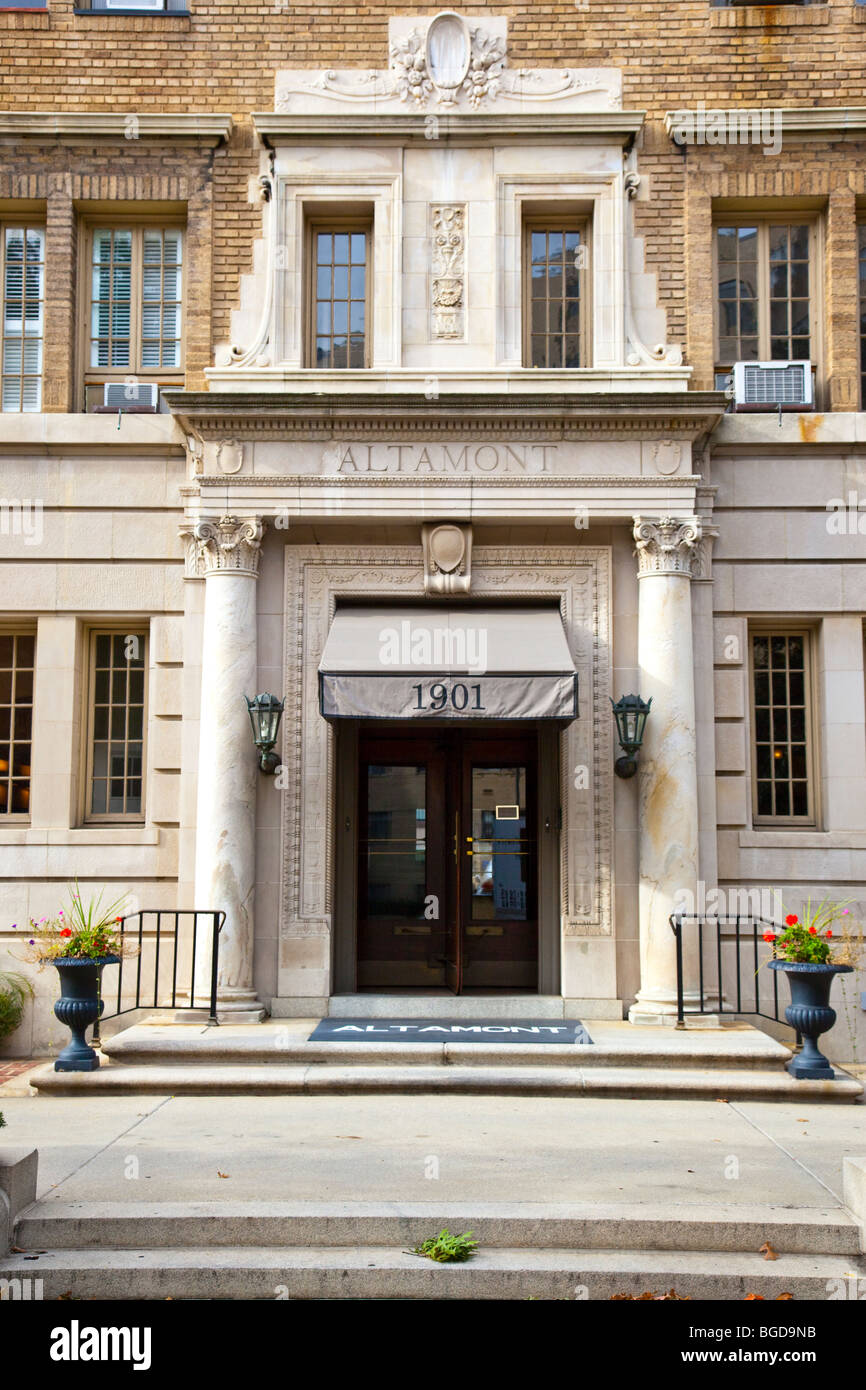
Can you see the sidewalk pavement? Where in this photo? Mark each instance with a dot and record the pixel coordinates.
(436, 1149)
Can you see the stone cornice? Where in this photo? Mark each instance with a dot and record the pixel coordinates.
(389, 415)
(805, 121)
(39, 125)
(275, 128)
(581, 482)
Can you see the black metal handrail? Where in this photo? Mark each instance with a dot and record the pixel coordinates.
(156, 934)
(746, 928)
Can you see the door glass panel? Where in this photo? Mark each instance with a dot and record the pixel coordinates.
(396, 841)
(500, 849)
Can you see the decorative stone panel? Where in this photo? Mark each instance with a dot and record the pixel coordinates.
(579, 579)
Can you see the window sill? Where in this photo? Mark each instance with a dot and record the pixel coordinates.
(808, 838)
(133, 14)
(84, 835)
(768, 16)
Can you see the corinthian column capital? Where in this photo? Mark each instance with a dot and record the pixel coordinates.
(231, 545)
(667, 545)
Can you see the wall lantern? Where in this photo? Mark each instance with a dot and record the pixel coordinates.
(265, 713)
(630, 713)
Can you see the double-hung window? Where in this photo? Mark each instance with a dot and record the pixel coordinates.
(134, 329)
(765, 292)
(339, 254)
(555, 293)
(22, 275)
(116, 722)
(783, 771)
(17, 662)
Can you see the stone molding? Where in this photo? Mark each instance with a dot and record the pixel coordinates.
(579, 579)
(231, 545)
(153, 125)
(667, 545)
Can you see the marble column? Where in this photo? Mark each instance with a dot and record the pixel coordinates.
(226, 553)
(667, 550)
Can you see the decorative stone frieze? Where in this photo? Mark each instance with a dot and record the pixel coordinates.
(446, 63)
(667, 545)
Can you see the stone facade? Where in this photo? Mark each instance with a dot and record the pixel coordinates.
(240, 119)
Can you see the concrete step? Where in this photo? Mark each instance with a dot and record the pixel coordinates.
(274, 1045)
(409, 1078)
(52, 1225)
(379, 1272)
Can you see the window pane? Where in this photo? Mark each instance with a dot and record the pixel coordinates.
(22, 250)
(781, 758)
(555, 288)
(116, 729)
(340, 286)
(16, 721)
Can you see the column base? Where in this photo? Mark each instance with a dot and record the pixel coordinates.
(638, 1014)
(239, 1006)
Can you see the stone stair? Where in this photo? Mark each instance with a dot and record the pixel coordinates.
(363, 1250)
(736, 1061)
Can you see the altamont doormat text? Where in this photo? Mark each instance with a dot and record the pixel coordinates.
(468, 1030)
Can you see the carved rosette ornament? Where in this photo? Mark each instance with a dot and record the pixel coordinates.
(231, 545)
(667, 545)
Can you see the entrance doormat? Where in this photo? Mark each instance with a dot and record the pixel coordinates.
(467, 1030)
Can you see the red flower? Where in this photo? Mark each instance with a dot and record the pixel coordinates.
(791, 920)
(118, 919)
(67, 931)
(768, 936)
(813, 931)
(829, 933)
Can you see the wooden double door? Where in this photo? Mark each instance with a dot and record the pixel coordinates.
(447, 860)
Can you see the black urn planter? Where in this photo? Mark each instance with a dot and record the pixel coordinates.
(79, 1005)
(810, 1013)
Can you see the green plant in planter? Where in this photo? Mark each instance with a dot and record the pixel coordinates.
(813, 940)
(86, 930)
(15, 990)
(445, 1248)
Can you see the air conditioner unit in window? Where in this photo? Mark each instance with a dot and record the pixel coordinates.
(773, 386)
(130, 395)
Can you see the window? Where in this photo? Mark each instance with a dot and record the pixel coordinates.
(17, 657)
(764, 298)
(782, 772)
(22, 250)
(134, 329)
(116, 724)
(555, 297)
(338, 294)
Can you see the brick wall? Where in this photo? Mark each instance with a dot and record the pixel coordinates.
(223, 56)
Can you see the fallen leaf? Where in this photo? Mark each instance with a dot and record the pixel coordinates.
(16, 1250)
(750, 1297)
(221, 1175)
(768, 1252)
(783, 1297)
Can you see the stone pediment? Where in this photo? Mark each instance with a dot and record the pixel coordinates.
(447, 64)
